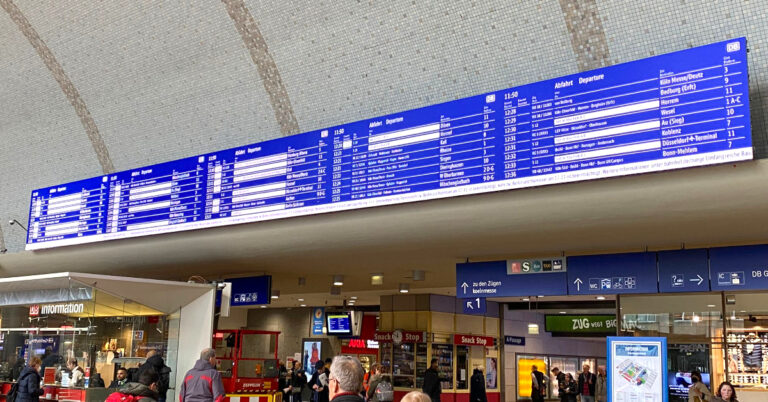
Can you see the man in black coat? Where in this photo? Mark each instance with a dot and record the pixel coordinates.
(155, 362)
(560, 376)
(538, 385)
(432, 382)
(345, 380)
(477, 387)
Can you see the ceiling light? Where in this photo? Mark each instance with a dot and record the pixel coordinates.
(275, 294)
(696, 318)
(263, 306)
(353, 297)
(562, 312)
(300, 299)
(533, 329)
(710, 305)
(338, 280)
(403, 288)
(540, 296)
(377, 279)
(600, 297)
(303, 305)
(526, 299)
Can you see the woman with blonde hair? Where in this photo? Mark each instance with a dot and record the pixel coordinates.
(29, 382)
(416, 396)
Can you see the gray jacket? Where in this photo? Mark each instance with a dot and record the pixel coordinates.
(601, 389)
(202, 384)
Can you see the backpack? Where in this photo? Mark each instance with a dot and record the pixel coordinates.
(14, 391)
(121, 397)
(384, 392)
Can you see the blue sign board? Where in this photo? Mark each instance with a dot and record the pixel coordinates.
(514, 340)
(490, 279)
(739, 268)
(612, 274)
(318, 318)
(637, 369)
(252, 290)
(688, 108)
(475, 305)
(683, 271)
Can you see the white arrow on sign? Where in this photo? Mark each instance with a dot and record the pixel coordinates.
(469, 305)
(464, 287)
(698, 279)
(578, 283)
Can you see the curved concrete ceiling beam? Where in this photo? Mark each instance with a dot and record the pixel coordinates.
(64, 82)
(265, 64)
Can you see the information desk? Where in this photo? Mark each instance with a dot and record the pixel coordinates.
(64, 394)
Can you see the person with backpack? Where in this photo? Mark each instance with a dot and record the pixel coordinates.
(27, 389)
(145, 390)
(155, 362)
(380, 389)
(319, 383)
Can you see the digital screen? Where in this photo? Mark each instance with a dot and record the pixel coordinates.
(682, 109)
(339, 324)
(679, 382)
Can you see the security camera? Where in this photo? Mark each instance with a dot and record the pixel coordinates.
(12, 222)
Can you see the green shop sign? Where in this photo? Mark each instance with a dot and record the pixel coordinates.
(581, 324)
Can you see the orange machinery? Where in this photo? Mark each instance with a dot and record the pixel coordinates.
(248, 364)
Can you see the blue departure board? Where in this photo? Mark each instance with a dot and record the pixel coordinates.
(683, 109)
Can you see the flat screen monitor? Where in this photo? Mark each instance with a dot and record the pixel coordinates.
(680, 381)
(339, 324)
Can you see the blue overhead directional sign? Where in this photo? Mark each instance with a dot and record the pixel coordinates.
(739, 268)
(252, 290)
(677, 110)
(683, 271)
(490, 279)
(476, 305)
(612, 274)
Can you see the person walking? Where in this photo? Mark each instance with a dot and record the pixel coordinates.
(143, 390)
(538, 385)
(380, 386)
(29, 382)
(155, 362)
(346, 380)
(601, 386)
(477, 387)
(560, 377)
(203, 382)
(432, 382)
(571, 388)
(298, 381)
(586, 385)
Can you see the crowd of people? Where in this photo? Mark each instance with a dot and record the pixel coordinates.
(591, 387)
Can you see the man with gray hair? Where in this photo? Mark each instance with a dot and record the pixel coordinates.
(346, 380)
(203, 382)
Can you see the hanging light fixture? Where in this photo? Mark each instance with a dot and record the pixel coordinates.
(338, 280)
(275, 294)
(404, 288)
(377, 279)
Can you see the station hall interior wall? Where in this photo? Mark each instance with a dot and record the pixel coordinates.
(516, 324)
(98, 87)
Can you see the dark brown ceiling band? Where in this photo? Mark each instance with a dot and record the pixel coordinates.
(265, 64)
(64, 82)
(587, 35)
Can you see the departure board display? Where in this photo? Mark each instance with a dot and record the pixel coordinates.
(683, 109)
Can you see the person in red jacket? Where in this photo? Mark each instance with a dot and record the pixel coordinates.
(203, 382)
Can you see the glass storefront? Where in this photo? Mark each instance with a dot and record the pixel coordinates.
(103, 332)
(722, 335)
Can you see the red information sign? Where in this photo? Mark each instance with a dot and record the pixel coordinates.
(473, 340)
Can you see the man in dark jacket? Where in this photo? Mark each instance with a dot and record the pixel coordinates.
(155, 362)
(538, 385)
(477, 387)
(50, 359)
(560, 377)
(120, 379)
(432, 382)
(346, 380)
(587, 385)
(145, 390)
(29, 382)
(298, 381)
(203, 382)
